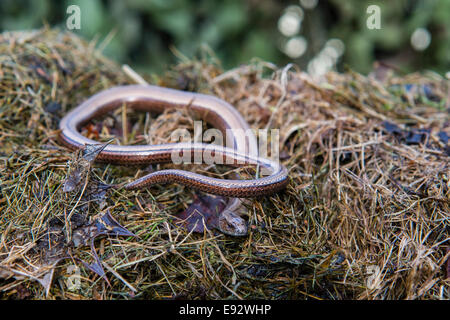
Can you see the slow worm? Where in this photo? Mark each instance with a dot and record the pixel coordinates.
(216, 112)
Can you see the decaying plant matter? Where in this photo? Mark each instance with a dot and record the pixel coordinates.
(365, 216)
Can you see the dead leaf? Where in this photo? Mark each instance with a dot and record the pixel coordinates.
(80, 165)
(204, 211)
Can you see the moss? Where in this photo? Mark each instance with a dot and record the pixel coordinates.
(365, 216)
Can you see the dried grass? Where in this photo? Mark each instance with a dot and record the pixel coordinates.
(366, 214)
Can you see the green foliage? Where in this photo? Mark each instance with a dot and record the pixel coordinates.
(143, 32)
(399, 19)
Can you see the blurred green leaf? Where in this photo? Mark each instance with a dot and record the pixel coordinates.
(177, 22)
(92, 16)
(238, 30)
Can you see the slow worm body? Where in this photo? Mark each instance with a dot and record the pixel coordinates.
(216, 112)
